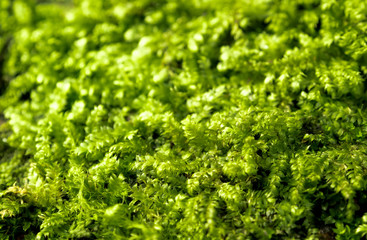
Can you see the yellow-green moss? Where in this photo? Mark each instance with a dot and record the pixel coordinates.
(185, 119)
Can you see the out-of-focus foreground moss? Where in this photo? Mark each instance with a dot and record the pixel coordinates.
(185, 119)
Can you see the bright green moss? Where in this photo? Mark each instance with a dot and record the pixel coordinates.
(183, 119)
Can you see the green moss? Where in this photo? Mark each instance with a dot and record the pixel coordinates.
(183, 119)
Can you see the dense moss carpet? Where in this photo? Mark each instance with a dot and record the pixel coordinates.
(183, 119)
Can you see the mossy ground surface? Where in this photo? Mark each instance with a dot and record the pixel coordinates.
(184, 119)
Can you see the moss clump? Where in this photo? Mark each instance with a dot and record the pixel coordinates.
(183, 119)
